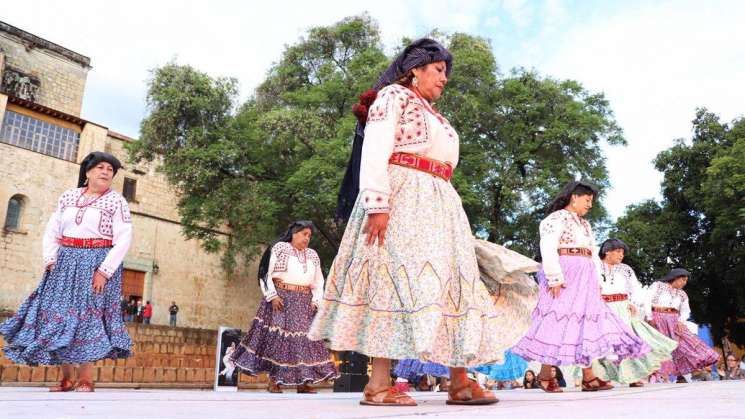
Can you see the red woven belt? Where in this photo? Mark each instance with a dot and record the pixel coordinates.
(412, 161)
(575, 251)
(291, 287)
(665, 310)
(84, 243)
(612, 298)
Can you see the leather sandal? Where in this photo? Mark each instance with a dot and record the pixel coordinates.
(470, 394)
(389, 396)
(273, 387)
(637, 384)
(64, 386)
(84, 387)
(602, 385)
(551, 387)
(305, 389)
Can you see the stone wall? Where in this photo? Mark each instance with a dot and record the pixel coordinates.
(162, 357)
(61, 73)
(207, 296)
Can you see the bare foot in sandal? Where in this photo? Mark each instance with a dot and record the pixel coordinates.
(387, 396)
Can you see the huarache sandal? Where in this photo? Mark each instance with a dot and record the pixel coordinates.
(602, 385)
(551, 387)
(84, 387)
(306, 389)
(389, 396)
(64, 386)
(273, 387)
(470, 394)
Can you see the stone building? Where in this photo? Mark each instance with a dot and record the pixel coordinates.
(43, 138)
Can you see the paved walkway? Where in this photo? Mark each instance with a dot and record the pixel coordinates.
(697, 400)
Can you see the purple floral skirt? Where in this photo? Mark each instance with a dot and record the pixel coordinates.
(63, 321)
(577, 327)
(691, 354)
(278, 344)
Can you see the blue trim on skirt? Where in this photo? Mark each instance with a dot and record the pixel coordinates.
(63, 321)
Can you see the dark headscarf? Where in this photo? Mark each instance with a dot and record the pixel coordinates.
(91, 160)
(421, 52)
(285, 237)
(611, 245)
(675, 273)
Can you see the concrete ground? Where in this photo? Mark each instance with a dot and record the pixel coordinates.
(697, 400)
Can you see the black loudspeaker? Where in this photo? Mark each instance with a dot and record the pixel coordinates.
(350, 383)
(352, 363)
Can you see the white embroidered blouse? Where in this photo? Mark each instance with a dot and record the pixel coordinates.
(621, 279)
(104, 217)
(294, 267)
(662, 294)
(400, 121)
(560, 230)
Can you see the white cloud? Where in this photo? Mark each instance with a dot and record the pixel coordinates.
(656, 64)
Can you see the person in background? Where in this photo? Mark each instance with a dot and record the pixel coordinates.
(558, 375)
(173, 310)
(147, 313)
(668, 310)
(140, 308)
(732, 371)
(131, 308)
(530, 381)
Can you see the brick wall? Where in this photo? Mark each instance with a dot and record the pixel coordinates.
(163, 357)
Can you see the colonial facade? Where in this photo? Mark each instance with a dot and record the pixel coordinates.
(43, 138)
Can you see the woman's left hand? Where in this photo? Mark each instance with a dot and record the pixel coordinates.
(99, 281)
(314, 307)
(632, 310)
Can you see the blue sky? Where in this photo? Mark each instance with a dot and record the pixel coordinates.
(655, 61)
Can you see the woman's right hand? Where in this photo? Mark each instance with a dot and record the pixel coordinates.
(375, 228)
(50, 267)
(555, 291)
(278, 304)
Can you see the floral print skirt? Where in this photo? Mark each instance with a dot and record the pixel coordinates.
(420, 295)
(63, 321)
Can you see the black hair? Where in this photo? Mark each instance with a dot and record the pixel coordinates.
(91, 160)
(559, 376)
(533, 382)
(577, 187)
(285, 237)
(611, 245)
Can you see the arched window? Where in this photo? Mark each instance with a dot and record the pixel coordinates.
(14, 213)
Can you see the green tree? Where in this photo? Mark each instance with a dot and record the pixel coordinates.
(279, 156)
(699, 223)
(522, 137)
(282, 154)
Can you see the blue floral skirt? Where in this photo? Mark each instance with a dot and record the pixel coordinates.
(63, 321)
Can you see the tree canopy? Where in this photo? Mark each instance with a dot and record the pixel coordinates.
(700, 222)
(281, 155)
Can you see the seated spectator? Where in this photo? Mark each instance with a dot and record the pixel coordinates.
(556, 373)
(529, 380)
(732, 370)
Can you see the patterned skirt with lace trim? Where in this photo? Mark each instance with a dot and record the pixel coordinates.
(420, 295)
(278, 344)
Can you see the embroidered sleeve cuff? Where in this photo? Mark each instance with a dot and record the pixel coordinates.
(106, 271)
(554, 280)
(375, 202)
(49, 260)
(269, 297)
